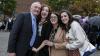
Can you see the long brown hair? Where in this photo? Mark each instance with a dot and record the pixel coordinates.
(47, 18)
(71, 19)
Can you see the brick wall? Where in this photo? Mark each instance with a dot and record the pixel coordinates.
(24, 5)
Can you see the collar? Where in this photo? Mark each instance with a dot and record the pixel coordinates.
(32, 16)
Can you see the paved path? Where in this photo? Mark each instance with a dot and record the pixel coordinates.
(0, 23)
(4, 41)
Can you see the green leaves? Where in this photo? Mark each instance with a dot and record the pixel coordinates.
(85, 6)
(75, 6)
(57, 5)
(7, 6)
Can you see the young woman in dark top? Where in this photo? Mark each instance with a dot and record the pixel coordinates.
(44, 28)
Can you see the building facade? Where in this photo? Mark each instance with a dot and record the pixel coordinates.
(24, 5)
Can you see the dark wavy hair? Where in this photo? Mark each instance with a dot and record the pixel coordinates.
(71, 19)
(58, 16)
(47, 18)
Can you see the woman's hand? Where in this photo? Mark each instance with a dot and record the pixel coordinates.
(40, 47)
(11, 54)
(64, 44)
(34, 49)
(49, 43)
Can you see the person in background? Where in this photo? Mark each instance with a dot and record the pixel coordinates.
(10, 22)
(2, 27)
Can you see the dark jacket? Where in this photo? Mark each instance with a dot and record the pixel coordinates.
(45, 32)
(20, 35)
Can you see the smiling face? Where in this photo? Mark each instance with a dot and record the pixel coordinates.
(54, 19)
(44, 12)
(64, 17)
(35, 8)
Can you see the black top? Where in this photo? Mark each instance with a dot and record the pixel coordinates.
(43, 34)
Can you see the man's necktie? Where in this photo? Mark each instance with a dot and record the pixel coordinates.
(34, 29)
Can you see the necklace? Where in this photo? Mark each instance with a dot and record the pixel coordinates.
(52, 34)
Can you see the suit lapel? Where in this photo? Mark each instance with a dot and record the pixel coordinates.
(29, 21)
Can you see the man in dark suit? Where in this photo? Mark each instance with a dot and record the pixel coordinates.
(24, 31)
